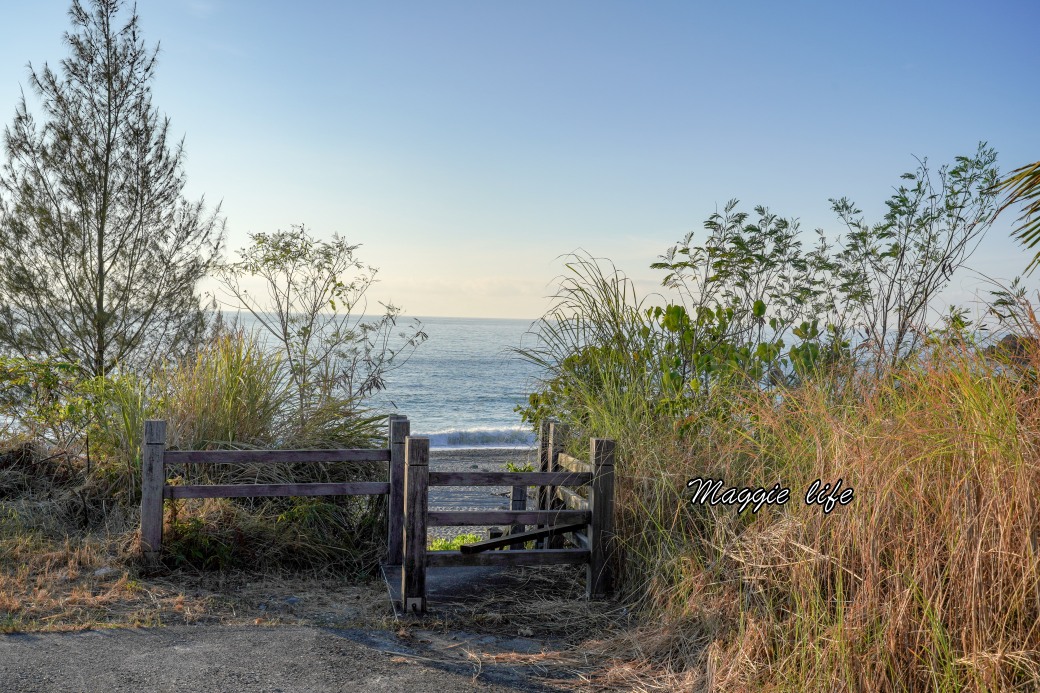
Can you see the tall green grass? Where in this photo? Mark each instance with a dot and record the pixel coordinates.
(232, 391)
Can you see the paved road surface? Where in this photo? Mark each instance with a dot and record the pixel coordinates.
(238, 658)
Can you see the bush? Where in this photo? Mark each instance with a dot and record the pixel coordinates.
(752, 374)
(230, 392)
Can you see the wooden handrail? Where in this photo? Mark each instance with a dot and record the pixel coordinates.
(561, 510)
(453, 518)
(573, 464)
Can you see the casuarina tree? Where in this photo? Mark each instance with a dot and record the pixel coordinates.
(100, 251)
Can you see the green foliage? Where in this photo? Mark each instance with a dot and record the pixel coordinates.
(315, 309)
(452, 543)
(57, 401)
(526, 467)
(231, 391)
(745, 268)
(100, 252)
(754, 309)
(45, 398)
(1023, 186)
(69, 413)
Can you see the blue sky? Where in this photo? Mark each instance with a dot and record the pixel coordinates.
(468, 145)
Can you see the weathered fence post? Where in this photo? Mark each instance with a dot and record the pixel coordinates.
(153, 478)
(600, 575)
(399, 429)
(518, 502)
(413, 569)
(557, 438)
(544, 455)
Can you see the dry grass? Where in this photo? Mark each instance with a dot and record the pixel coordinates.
(93, 582)
(928, 580)
(78, 584)
(69, 558)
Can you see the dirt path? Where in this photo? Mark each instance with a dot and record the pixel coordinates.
(243, 658)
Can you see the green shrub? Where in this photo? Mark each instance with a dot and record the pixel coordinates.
(230, 392)
(452, 543)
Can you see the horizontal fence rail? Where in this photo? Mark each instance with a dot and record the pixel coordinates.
(470, 518)
(156, 458)
(273, 456)
(508, 478)
(574, 501)
(350, 488)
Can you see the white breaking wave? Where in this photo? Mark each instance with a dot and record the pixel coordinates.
(481, 438)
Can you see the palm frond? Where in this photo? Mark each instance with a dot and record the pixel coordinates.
(1023, 185)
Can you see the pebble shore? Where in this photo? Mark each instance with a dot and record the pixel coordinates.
(474, 497)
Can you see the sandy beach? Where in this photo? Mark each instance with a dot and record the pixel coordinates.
(474, 497)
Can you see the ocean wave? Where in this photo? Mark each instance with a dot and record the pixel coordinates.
(481, 438)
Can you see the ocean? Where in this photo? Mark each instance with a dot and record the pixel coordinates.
(461, 385)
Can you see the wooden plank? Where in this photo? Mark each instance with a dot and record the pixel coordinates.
(510, 539)
(557, 440)
(400, 429)
(437, 559)
(413, 567)
(351, 488)
(581, 539)
(572, 500)
(600, 575)
(573, 464)
(508, 478)
(543, 465)
(452, 518)
(275, 456)
(153, 478)
(518, 501)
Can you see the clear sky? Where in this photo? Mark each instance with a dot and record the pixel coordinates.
(468, 145)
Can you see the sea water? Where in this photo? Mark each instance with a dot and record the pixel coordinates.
(460, 386)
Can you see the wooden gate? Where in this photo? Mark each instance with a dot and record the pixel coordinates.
(564, 509)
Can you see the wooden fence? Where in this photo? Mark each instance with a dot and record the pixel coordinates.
(575, 499)
(156, 458)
